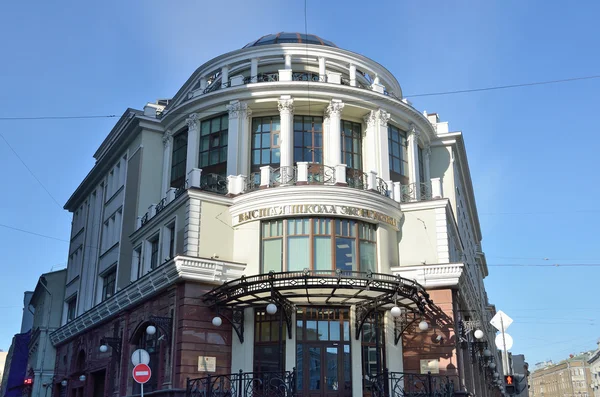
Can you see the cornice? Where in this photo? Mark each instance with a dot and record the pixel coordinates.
(432, 276)
(179, 268)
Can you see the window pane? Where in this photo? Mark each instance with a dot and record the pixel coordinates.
(322, 256)
(311, 330)
(345, 254)
(204, 144)
(215, 124)
(224, 123)
(265, 156)
(334, 330)
(266, 140)
(256, 141)
(272, 255)
(298, 253)
(205, 128)
(323, 327)
(367, 256)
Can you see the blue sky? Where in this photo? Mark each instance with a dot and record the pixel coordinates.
(532, 150)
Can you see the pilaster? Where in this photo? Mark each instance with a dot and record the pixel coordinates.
(334, 113)
(167, 154)
(238, 139)
(285, 104)
(193, 122)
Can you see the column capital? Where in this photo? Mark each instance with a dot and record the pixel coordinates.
(238, 109)
(286, 104)
(414, 131)
(167, 138)
(427, 149)
(370, 118)
(193, 121)
(334, 108)
(383, 117)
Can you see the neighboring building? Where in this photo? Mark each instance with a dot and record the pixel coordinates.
(3, 356)
(594, 363)
(47, 302)
(16, 360)
(568, 378)
(268, 218)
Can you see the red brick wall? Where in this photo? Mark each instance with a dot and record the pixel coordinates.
(196, 336)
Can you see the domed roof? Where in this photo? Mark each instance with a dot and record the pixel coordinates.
(283, 37)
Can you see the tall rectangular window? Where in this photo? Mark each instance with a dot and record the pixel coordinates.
(269, 341)
(154, 253)
(352, 145)
(179, 159)
(171, 230)
(109, 283)
(308, 139)
(265, 142)
(137, 270)
(71, 308)
(398, 154)
(213, 145)
(272, 246)
(421, 166)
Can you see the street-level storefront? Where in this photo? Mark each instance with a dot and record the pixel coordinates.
(317, 333)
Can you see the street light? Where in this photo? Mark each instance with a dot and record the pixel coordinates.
(82, 378)
(64, 383)
(103, 348)
(271, 308)
(478, 334)
(396, 312)
(151, 330)
(216, 321)
(423, 326)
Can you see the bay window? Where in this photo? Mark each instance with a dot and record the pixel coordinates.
(398, 154)
(213, 145)
(265, 142)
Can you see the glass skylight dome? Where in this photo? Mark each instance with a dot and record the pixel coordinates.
(283, 37)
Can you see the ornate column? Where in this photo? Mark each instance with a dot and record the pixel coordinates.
(426, 157)
(193, 122)
(413, 159)
(285, 104)
(370, 136)
(334, 113)
(381, 140)
(167, 154)
(322, 70)
(237, 137)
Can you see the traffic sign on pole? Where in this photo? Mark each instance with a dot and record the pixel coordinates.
(140, 356)
(142, 373)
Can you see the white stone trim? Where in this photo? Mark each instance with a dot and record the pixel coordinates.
(432, 276)
(179, 268)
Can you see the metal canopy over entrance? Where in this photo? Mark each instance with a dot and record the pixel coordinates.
(366, 291)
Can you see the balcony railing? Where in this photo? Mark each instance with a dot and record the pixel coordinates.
(244, 384)
(400, 384)
(319, 174)
(213, 183)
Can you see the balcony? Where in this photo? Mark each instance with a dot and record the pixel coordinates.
(318, 174)
(363, 81)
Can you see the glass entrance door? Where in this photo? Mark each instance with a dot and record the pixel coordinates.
(323, 352)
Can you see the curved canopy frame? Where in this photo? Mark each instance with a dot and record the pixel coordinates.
(367, 291)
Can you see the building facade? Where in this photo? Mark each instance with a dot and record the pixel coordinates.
(47, 303)
(286, 215)
(594, 363)
(569, 378)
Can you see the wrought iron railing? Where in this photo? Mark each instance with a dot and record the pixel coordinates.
(161, 205)
(285, 175)
(308, 76)
(180, 189)
(253, 182)
(267, 77)
(320, 174)
(401, 384)
(244, 384)
(213, 183)
(409, 192)
(145, 219)
(356, 179)
(382, 187)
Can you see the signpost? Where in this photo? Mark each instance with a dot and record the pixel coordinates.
(503, 341)
(142, 374)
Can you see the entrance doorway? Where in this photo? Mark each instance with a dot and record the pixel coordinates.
(323, 352)
(99, 379)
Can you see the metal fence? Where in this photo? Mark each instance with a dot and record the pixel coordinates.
(244, 384)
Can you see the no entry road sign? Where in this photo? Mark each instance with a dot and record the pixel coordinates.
(141, 373)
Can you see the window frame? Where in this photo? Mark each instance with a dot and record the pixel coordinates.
(400, 175)
(106, 282)
(179, 152)
(71, 314)
(312, 236)
(220, 167)
(274, 148)
(153, 258)
(314, 150)
(274, 321)
(355, 138)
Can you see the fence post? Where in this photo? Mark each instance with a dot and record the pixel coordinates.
(240, 375)
(429, 392)
(208, 386)
(188, 389)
